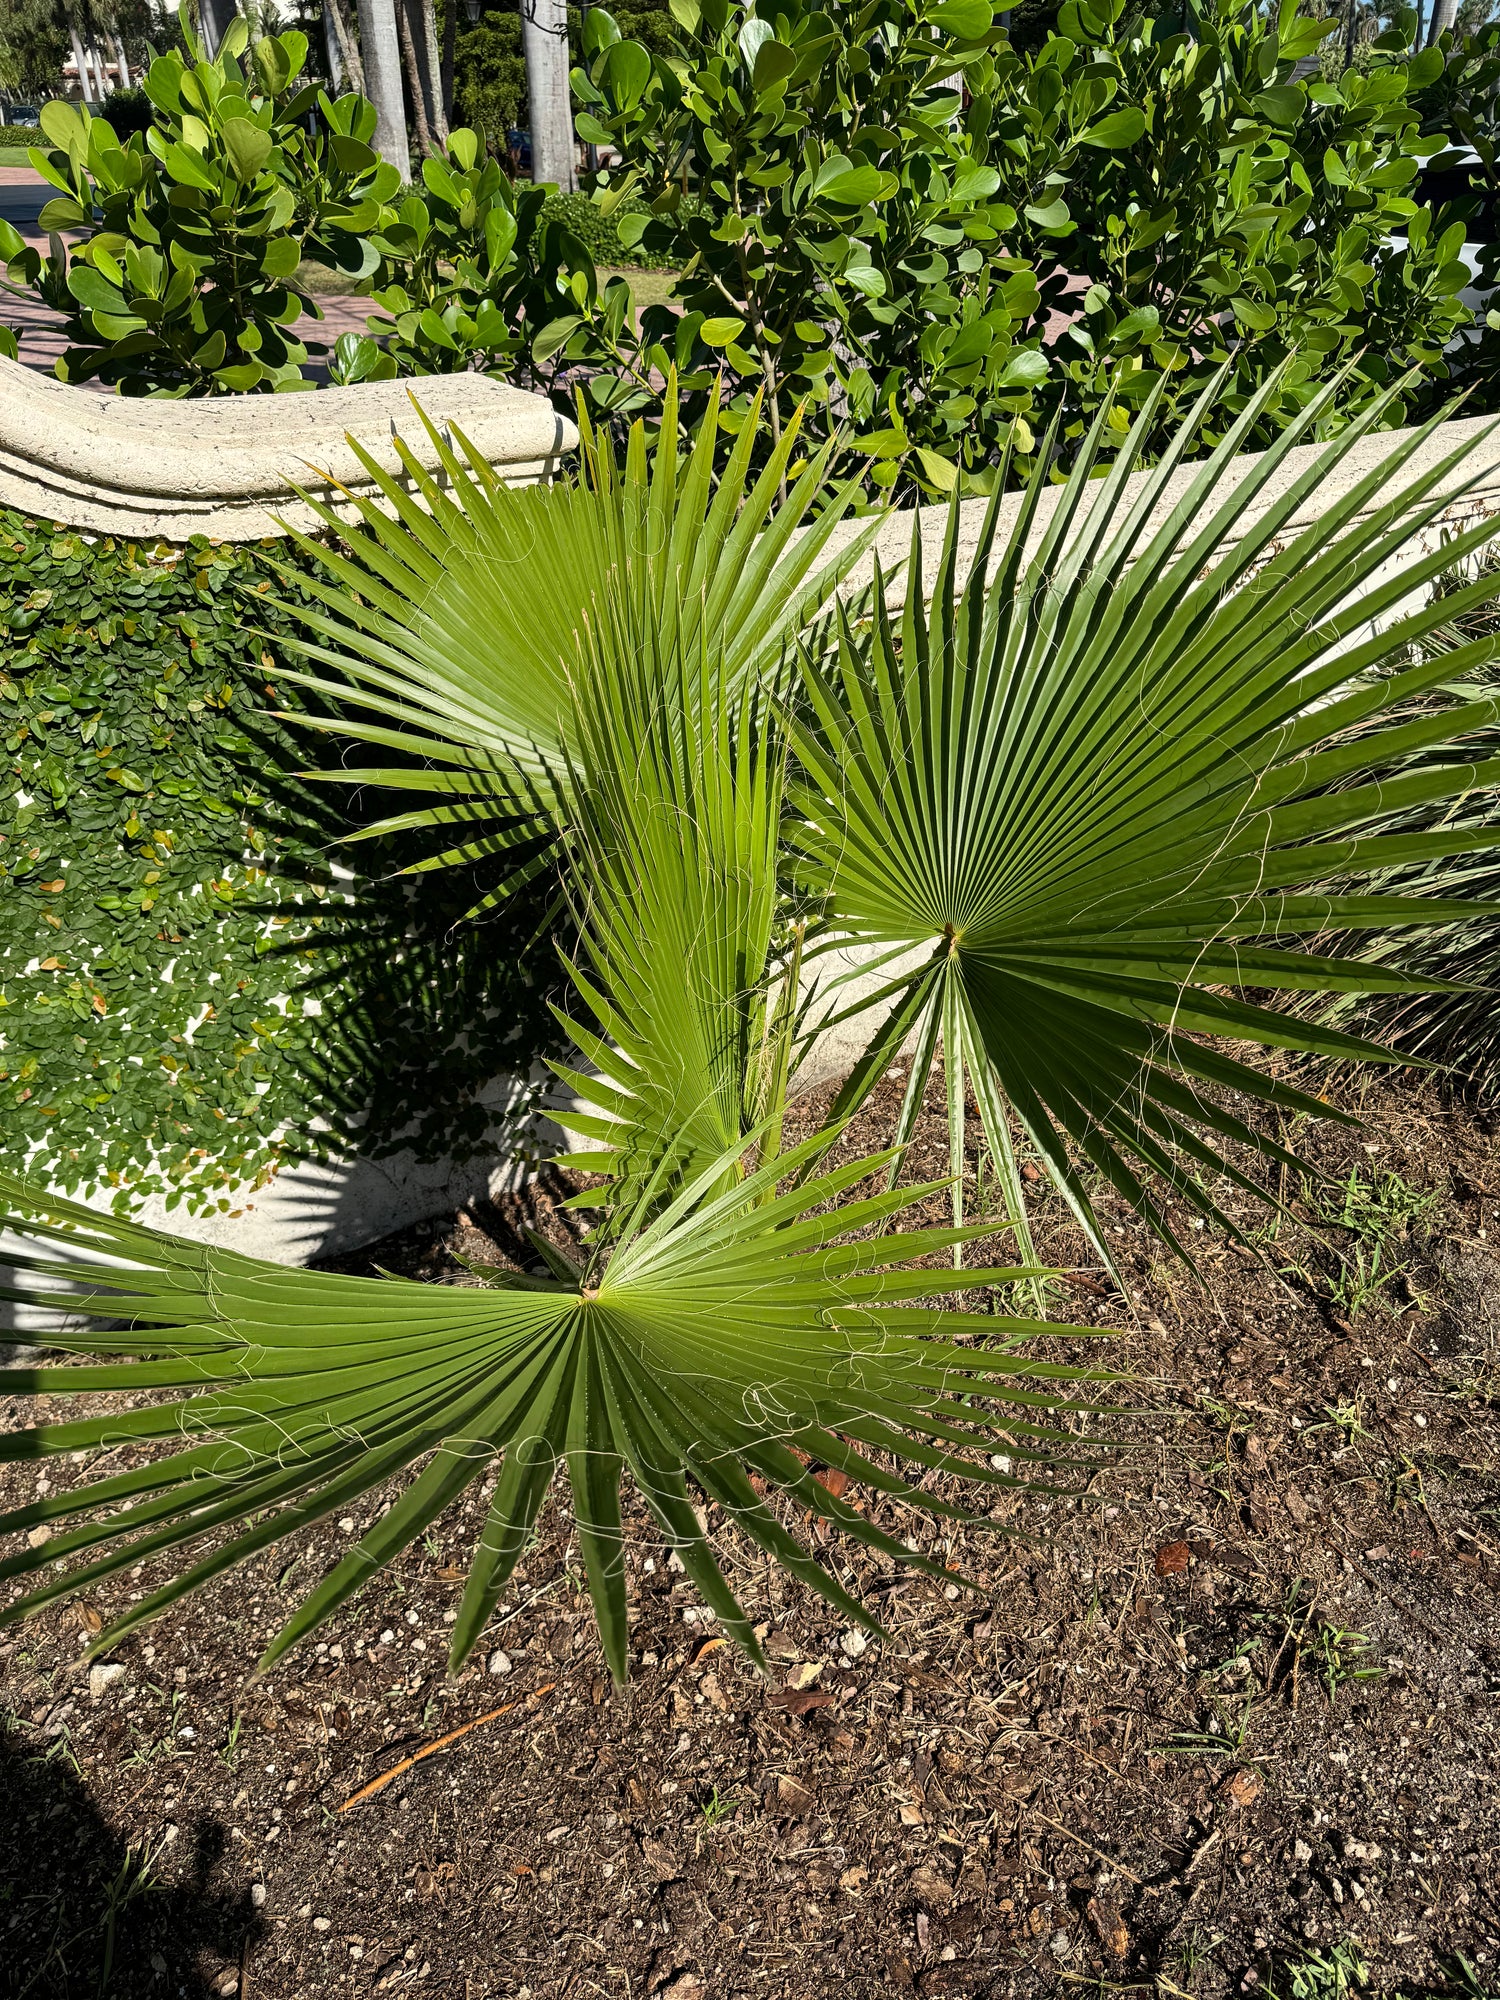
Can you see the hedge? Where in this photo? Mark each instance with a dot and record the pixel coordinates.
(193, 988)
(600, 234)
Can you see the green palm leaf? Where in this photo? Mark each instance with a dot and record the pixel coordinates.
(470, 622)
(673, 857)
(724, 1341)
(1096, 782)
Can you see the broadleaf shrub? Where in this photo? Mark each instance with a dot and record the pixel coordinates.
(191, 992)
(1214, 207)
(476, 270)
(598, 232)
(186, 280)
(944, 240)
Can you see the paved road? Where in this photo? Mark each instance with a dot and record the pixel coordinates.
(22, 199)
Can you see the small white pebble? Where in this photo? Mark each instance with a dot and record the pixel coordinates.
(853, 1642)
(412, 1618)
(346, 1526)
(322, 1924)
(257, 1895)
(499, 1662)
(388, 1637)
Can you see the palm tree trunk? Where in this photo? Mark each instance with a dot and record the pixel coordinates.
(380, 48)
(214, 17)
(544, 43)
(445, 73)
(347, 46)
(123, 60)
(416, 83)
(333, 55)
(437, 106)
(1443, 14)
(81, 64)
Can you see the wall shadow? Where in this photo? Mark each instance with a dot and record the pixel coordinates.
(84, 1915)
(426, 1025)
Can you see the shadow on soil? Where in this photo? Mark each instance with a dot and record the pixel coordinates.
(86, 1915)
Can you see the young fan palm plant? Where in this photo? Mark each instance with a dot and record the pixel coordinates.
(1090, 791)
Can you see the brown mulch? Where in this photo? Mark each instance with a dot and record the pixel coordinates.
(1234, 1709)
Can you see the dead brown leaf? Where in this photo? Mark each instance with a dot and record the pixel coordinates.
(931, 1888)
(793, 1796)
(662, 1860)
(1172, 1558)
(798, 1701)
(1244, 1788)
(1109, 1926)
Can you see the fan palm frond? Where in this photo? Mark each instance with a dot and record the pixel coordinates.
(468, 621)
(674, 855)
(724, 1342)
(1090, 786)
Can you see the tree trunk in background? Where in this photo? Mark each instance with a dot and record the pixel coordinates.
(437, 108)
(126, 80)
(380, 49)
(445, 73)
(333, 55)
(1443, 14)
(348, 48)
(544, 43)
(416, 83)
(85, 84)
(214, 17)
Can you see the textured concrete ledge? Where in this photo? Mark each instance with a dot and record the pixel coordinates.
(1479, 471)
(224, 466)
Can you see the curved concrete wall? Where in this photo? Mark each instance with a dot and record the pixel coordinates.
(225, 466)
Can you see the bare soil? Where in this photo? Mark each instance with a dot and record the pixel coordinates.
(1233, 1710)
